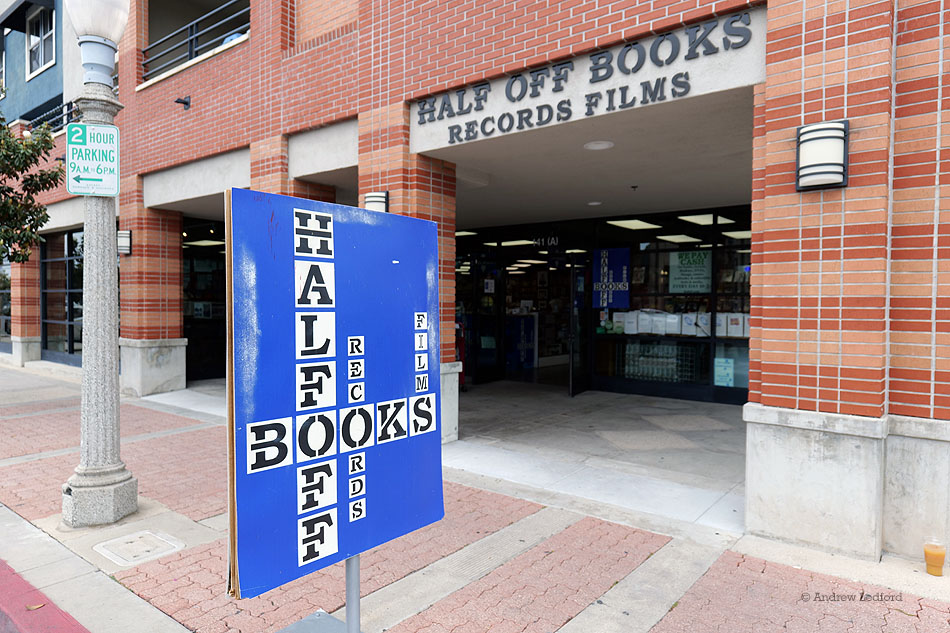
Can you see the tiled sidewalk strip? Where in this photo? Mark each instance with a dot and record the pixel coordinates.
(60, 429)
(25, 609)
(742, 594)
(191, 585)
(11, 410)
(187, 472)
(540, 590)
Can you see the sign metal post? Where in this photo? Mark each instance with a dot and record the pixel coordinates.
(353, 594)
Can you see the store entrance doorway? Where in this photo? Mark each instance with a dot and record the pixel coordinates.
(522, 312)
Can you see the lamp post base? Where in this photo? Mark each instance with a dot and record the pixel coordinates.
(88, 503)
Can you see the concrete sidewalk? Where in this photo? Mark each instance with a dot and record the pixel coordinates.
(510, 555)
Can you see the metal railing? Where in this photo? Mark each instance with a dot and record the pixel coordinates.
(58, 117)
(211, 30)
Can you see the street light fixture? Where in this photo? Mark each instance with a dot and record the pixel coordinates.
(101, 490)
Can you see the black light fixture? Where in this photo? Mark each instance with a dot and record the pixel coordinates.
(377, 201)
(822, 156)
(124, 242)
(185, 101)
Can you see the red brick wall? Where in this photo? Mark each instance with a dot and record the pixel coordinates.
(150, 279)
(919, 346)
(25, 297)
(821, 258)
(315, 18)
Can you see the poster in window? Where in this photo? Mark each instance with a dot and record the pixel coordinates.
(612, 278)
(690, 272)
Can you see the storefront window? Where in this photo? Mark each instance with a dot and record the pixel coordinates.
(61, 259)
(5, 307)
(666, 310)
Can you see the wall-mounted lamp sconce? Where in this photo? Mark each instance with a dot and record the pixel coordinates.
(186, 101)
(124, 242)
(377, 201)
(822, 156)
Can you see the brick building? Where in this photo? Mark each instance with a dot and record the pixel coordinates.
(615, 189)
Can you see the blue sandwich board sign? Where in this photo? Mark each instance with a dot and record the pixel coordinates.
(334, 422)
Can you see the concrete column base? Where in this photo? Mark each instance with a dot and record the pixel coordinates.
(25, 349)
(151, 365)
(99, 504)
(450, 401)
(816, 478)
(916, 492)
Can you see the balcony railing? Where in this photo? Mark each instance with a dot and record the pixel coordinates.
(58, 117)
(211, 30)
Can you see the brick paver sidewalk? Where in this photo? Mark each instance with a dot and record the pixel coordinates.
(181, 462)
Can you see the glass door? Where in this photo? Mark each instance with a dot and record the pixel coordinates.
(580, 327)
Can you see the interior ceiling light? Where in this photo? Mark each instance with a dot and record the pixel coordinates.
(516, 272)
(705, 245)
(510, 268)
(705, 219)
(595, 146)
(575, 250)
(464, 233)
(745, 250)
(551, 268)
(738, 235)
(205, 243)
(183, 234)
(677, 239)
(594, 203)
(634, 225)
(491, 243)
(521, 265)
(532, 261)
(518, 243)
(542, 252)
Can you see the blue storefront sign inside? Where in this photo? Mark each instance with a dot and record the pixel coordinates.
(335, 428)
(612, 278)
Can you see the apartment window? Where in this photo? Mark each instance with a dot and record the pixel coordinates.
(3, 73)
(40, 49)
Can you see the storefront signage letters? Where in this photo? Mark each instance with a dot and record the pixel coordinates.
(715, 55)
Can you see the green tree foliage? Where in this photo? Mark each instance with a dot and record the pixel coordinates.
(21, 216)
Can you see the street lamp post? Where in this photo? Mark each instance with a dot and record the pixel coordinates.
(101, 490)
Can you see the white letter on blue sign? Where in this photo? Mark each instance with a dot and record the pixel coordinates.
(316, 386)
(316, 486)
(358, 486)
(357, 463)
(316, 537)
(391, 421)
(269, 444)
(314, 284)
(357, 509)
(422, 362)
(422, 414)
(316, 435)
(422, 321)
(355, 392)
(314, 233)
(355, 345)
(422, 382)
(356, 428)
(316, 334)
(356, 370)
(421, 341)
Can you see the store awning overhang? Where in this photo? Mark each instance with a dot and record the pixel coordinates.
(13, 14)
